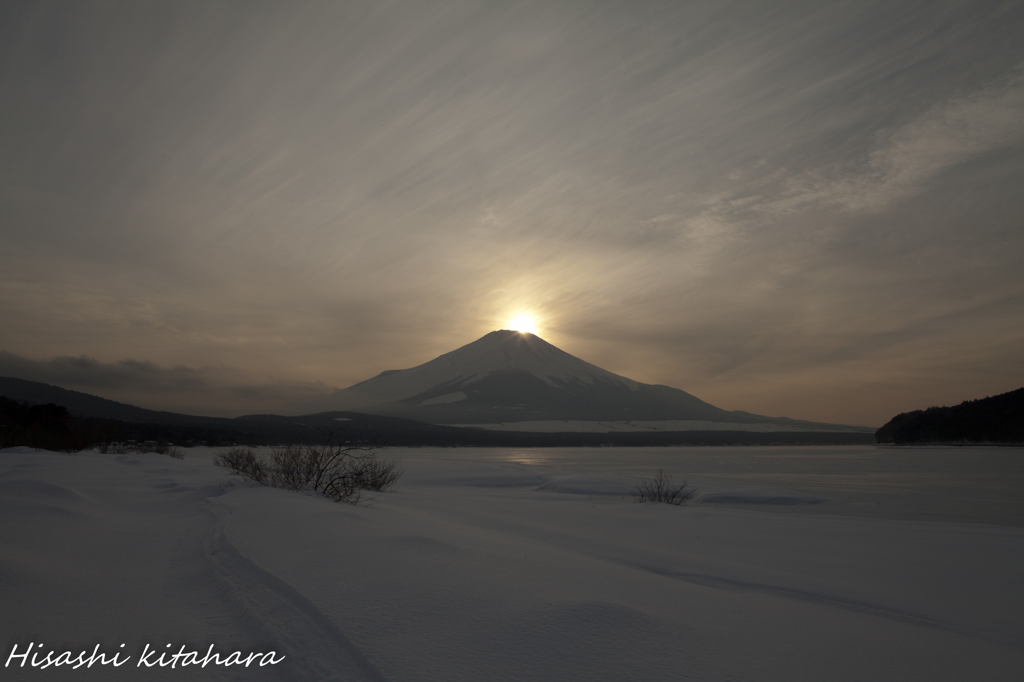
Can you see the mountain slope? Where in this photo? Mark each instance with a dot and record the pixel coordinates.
(85, 405)
(98, 420)
(498, 352)
(508, 376)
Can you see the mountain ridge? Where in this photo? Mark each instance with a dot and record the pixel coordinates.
(508, 376)
(95, 420)
(503, 378)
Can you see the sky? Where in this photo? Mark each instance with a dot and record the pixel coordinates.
(803, 209)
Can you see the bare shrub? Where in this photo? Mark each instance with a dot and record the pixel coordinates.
(338, 472)
(291, 467)
(134, 447)
(379, 475)
(162, 449)
(660, 488)
(115, 448)
(244, 460)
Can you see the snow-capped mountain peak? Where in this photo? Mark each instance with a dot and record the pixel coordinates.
(510, 376)
(506, 350)
(500, 351)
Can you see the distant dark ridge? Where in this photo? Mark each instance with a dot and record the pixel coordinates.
(85, 405)
(95, 420)
(997, 420)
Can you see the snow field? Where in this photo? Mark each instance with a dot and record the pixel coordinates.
(489, 571)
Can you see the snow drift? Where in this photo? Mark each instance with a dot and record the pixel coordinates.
(487, 571)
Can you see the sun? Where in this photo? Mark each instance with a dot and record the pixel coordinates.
(523, 323)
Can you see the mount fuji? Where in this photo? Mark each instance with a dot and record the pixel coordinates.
(512, 380)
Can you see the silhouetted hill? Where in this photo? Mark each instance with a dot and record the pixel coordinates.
(998, 419)
(95, 420)
(86, 405)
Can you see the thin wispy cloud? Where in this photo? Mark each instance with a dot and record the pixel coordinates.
(904, 160)
(719, 196)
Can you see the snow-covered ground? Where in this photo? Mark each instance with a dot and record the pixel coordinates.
(487, 570)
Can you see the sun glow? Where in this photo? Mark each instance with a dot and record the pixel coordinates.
(522, 322)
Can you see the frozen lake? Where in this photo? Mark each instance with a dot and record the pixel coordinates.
(968, 484)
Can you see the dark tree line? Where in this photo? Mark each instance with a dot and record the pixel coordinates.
(999, 419)
(51, 427)
(39, 426)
